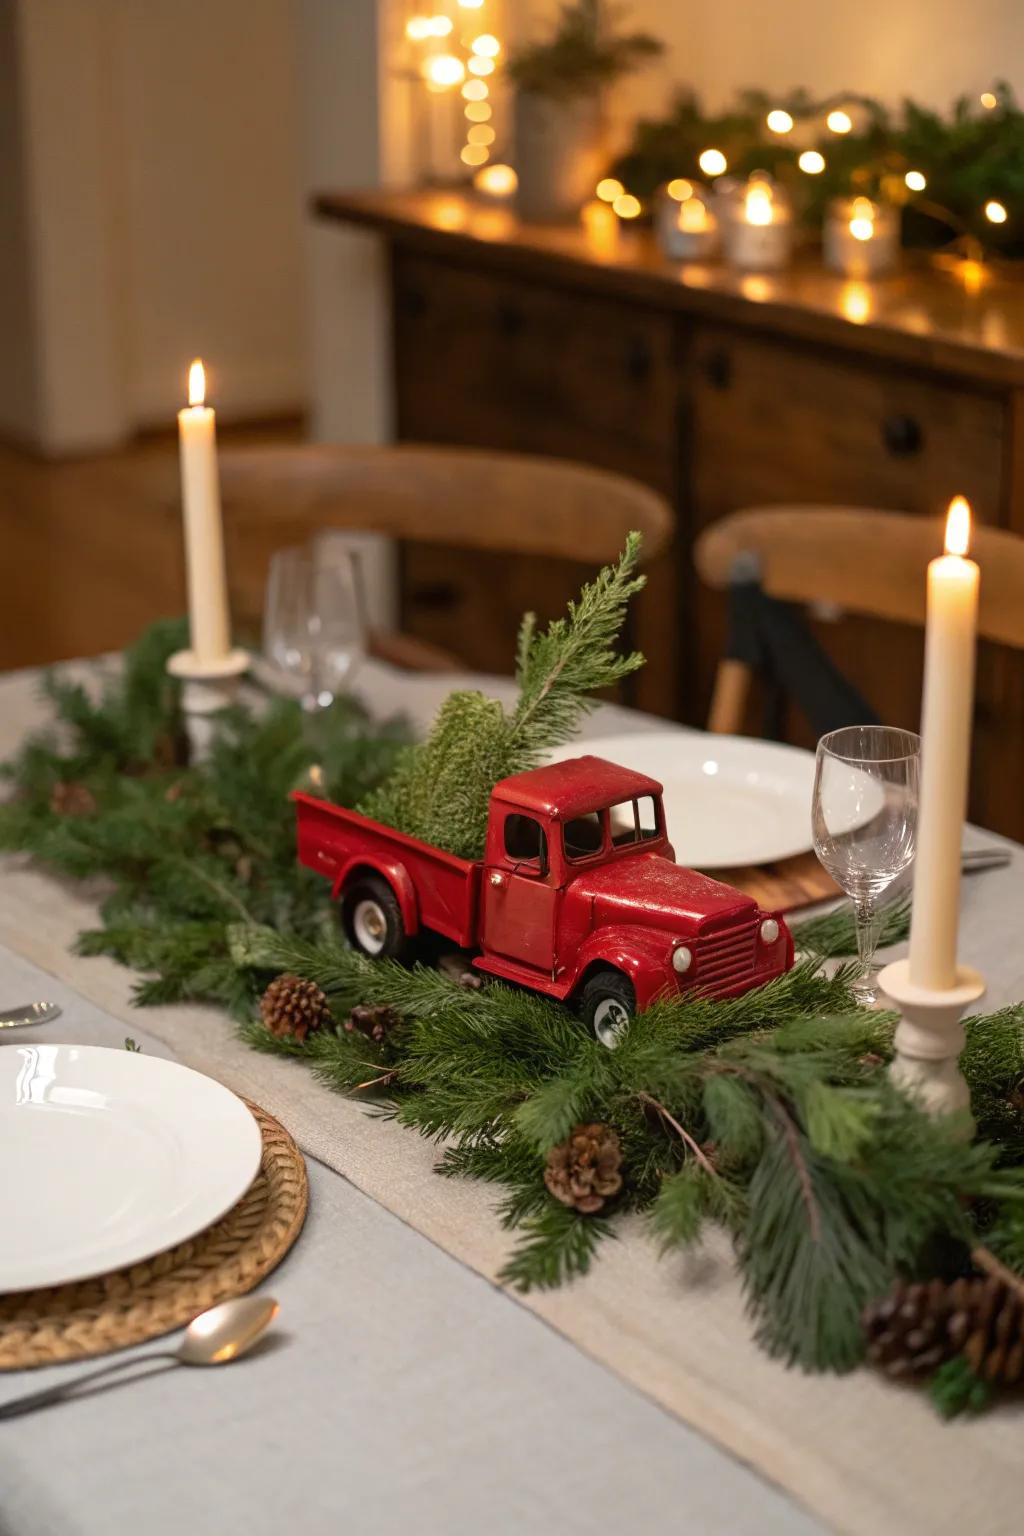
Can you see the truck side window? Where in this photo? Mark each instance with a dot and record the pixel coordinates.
(525, 841)
(584, 836)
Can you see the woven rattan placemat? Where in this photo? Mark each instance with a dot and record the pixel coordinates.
(94, 1317)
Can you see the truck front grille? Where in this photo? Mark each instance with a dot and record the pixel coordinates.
(726, 960)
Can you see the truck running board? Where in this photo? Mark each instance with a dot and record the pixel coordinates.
(525, 975)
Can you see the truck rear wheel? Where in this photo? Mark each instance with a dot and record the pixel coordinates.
(607, 1003)
(372, 919)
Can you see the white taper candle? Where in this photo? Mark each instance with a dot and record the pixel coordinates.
(946, 713)
(209, 621)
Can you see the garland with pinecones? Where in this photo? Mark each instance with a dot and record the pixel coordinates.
(771, 1115)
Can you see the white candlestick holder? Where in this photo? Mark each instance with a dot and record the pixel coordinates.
(930, 1037)
(209, 687)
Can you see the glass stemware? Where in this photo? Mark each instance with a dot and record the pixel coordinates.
(313, 621)
(864, 821)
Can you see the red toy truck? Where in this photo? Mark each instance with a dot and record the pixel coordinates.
(578, 895)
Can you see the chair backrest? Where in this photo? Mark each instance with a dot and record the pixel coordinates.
(866, 562)
(459, 497)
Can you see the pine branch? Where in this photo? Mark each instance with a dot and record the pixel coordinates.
(440, 789)
(557, 1244)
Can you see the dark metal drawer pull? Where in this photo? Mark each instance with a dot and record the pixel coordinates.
(511, 320)
(902, 436)
(638, 360)
(436, 595)
(718, 369)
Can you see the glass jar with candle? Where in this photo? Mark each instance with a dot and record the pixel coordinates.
(686, 223)
(757, 225)
(861, 237)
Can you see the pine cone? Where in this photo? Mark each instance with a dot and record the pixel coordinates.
(293, 1007)
(987, 1327)
(585, 1170)
(71, 798)
(907, 1331)
(374, 1021)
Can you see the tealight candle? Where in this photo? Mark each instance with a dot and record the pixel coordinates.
(687, 226)
(601, 227)
(861, 238)
(758, 226)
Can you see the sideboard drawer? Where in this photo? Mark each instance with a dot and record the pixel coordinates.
(505, 363)
(773, 422)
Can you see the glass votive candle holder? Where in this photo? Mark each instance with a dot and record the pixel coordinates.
(757, 225)
(686, 222)
(861, 238)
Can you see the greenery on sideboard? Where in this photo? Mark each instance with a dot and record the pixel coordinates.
(968, 158)
(586, 51)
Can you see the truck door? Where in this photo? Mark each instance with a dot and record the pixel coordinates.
(518, 900)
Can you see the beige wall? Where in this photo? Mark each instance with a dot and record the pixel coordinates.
(211, 210)
(153, 187)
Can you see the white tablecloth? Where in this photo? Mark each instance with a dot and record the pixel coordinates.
(411, 1389)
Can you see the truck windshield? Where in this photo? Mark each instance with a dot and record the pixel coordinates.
(634, 821)
(629, 822)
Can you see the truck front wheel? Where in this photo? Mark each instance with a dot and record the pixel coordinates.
(607, 1003)
(372, 919)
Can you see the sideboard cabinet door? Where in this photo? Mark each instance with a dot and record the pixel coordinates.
(495, 361)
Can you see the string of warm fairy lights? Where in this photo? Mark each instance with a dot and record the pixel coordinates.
(456, 49)
(811, 161)
(458, 52)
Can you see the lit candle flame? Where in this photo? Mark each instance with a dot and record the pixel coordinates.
(759, 205)
(958, 526)
(196, 383)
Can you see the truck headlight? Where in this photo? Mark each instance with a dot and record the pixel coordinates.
(769, 931)
(682, 958)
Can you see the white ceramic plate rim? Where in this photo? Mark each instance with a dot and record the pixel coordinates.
(216, 1144)
(657, 753)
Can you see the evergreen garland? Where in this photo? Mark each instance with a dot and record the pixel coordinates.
(770, 1115)
(969, 156)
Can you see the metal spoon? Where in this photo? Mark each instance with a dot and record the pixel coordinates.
(31, 1013)
(215, 1337)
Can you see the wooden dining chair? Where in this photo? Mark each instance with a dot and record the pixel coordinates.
(461, 498)
(863, 562)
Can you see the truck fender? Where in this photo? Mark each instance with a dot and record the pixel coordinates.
(640, 953)
(391, 870)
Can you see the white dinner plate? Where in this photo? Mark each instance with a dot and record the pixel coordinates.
(729, 800)
(109, 1156)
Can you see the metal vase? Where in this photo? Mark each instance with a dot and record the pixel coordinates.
(560, 155)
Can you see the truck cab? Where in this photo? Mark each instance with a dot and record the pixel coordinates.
(582, 897)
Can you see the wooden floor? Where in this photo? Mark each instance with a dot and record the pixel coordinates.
(91, 549)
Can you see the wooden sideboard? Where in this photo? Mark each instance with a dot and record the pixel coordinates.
(722, 391)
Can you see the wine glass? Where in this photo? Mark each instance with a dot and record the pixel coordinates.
(864, 820)
(313, 621)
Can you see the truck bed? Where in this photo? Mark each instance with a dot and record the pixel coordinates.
(336, 842)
